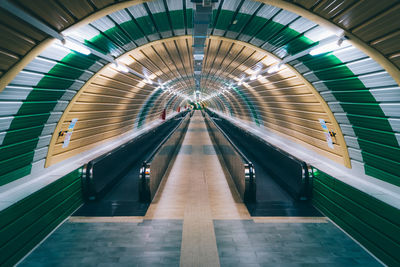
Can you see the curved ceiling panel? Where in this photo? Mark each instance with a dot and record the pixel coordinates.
(282, 101)
(374, 23)
(113, 102)
(362, 95)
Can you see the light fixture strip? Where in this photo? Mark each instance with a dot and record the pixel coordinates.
(321, 43)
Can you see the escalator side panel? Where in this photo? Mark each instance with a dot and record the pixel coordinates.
(105, 171)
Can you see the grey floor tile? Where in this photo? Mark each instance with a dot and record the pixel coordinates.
(287, 244)
(152, 242)
(158, 243)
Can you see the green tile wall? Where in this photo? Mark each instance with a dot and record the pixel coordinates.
(373, 223)
(24, 224)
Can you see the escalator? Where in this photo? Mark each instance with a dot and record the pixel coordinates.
(276, 194)
(115, 189)
(119, 196)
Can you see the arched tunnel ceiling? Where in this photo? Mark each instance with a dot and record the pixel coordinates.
(111, 103)
(360, 93)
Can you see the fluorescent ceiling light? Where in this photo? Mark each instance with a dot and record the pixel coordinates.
(319, 33)
(253, 77)
(120, 67)
(274, 68)
(328, 47)
(198, 56)
(76, 47)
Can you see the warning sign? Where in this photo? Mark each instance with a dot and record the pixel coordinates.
(69, 133)
(326, 132)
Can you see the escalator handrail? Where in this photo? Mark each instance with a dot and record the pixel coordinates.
(231, 142)
(88, 177)
(99, 158)
(305, 179)
(158, 147)
(294, 158)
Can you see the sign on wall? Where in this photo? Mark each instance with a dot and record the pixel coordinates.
(68, 135)
(327, 133)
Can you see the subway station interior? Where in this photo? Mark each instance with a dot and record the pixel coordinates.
(199, 133)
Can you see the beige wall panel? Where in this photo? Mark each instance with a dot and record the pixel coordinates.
(293, 90)
(82, 124)
(282, 74)
(306, 122)
(297, 113)
(186, 57)
(98, 98)
(104, 81)
(143, 64)
(99, 140)
(157, 64)
(173, 102)
(311, 107)
(121, 89)
(308, 98)
(99, 114)
(318, 134)
(236, 104)
(209, 58)
(163, 53)
(175, 57)
(104, 90)
(285, 83)
(231, 104)
(114, 77)
(321, 145)
(158, 106)
(100, 106)
(81, 136)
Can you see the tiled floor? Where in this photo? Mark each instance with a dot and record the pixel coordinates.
(239, 243)
(246, 243)
(197, 219)
(149, 243)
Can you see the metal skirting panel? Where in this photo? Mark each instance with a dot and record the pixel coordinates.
(24, 224)
(371, 222)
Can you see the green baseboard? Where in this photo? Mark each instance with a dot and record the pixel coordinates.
(373, 223)
(24, 224)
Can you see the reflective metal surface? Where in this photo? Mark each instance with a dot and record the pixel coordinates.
(240, 168)
(155, 166)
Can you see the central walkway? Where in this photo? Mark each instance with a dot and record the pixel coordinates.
(197, 191)
(197, 219)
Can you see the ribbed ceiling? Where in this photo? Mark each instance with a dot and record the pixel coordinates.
(374, 22)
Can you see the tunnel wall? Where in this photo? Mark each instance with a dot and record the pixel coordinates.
(363, 97)
(24, 224)
(283, 102)
(375, 224)
(36, 98)
(111, 105)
